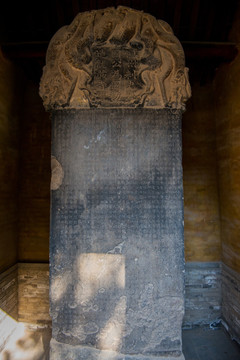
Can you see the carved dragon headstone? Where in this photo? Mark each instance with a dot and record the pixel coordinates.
(116, 85)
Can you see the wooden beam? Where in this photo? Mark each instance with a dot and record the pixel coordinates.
(177, 16)
(194, 18)
(224, 52)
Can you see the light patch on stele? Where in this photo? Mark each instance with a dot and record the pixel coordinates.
(98, 272)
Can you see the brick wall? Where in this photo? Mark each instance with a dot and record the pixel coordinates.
(231, 301)
(202, 293)
(33, 293)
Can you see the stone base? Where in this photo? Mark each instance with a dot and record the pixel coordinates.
(61, 351)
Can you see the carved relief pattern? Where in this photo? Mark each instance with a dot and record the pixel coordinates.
(115, 58)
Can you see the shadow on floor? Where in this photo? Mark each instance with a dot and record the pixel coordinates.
(32, 343)
(207, 344)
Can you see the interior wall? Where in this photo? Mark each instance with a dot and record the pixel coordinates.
(35, 173)
(10, 99)
(227, 90)
(201, 208)
(227, 104)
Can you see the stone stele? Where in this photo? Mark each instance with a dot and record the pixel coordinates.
(116, 86)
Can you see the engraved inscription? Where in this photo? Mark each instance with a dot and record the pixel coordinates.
(116, 243)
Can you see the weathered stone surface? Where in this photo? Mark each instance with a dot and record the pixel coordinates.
(115, 58)
(116, 247)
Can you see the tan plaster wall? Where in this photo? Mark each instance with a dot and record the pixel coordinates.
(34, 195)
(227, 89)
(201, 209)
(10, 94)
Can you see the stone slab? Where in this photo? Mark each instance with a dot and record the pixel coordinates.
(116, 250)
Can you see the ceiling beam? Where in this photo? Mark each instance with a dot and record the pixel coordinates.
(224, 52)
